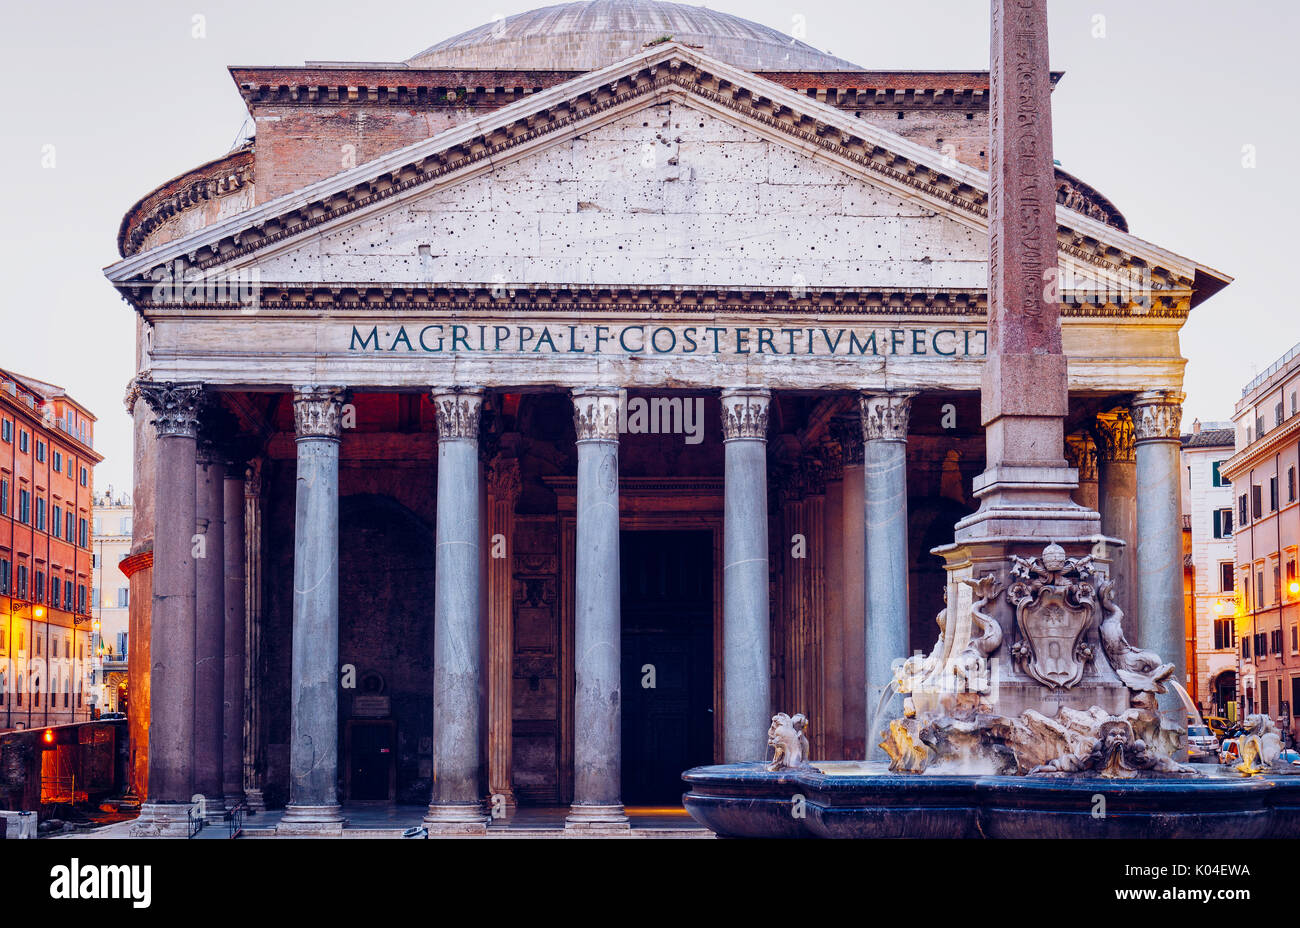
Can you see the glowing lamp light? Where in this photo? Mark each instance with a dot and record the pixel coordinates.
(39, 612)
(1218, 607)
(1295, 587)
(49, 736)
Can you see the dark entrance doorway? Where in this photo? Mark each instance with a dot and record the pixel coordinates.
(667, 617)
(371, 768)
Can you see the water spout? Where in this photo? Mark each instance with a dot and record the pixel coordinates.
(874, 731)
(1186, 701)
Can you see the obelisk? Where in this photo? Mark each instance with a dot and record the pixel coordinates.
(1023, 400)
(1025, 490)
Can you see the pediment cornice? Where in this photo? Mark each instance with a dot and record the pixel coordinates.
(668, 70)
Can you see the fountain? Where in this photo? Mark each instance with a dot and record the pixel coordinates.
(1033, 715)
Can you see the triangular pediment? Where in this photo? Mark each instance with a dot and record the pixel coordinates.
(667, 168)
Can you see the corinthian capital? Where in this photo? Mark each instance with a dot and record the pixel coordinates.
(1157, 415)
(744, 412)
(1081, 452)
(595, 413)
(1114, 433)
(848, 434)
(175, 406)
(318, 411)
(885, 416)
(458, 411)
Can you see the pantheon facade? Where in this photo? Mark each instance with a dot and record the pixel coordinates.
(527, 421)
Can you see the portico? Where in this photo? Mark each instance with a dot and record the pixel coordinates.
(436, 604)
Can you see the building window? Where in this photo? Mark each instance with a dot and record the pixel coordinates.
(1277, 580)
(67, 525)
(4, 497)
(24, 506)
(7, 430)
(83, 533)
(126, 525)
(1279, 415)
(85, 477)
(40, 514)
(67, 594)
(1290, 485)
(56, 521)
(54, 647)
(1223, 634)
(1259, 588)
(1217, 479)
(1226, 577)
(22, 440)
(123, 597)
(58, 462)
(1263, 696)
(38, 587)
(1243, 518)
(1222, 523)
(81, 597)
(5, 568)
(1295, 639)
(40, 643)
(40, 451)
(1272, 493)
(20, 588)
(1261, 645)
(1275, 641)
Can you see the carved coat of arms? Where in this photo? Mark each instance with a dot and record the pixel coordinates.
(1056, 603)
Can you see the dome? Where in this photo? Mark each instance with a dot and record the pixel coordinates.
(591, 34)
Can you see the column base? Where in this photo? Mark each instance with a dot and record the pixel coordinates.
(162, 820)
(456, 818)
(312, 820)
(597, 818)
(254, 799)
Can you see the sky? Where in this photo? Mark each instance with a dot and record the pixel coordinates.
(1179, 111)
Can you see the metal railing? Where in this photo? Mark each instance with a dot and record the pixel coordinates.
(193, 820)
(235, 818)
(1271, 370)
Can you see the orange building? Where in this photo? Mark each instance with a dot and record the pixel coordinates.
(46, 490)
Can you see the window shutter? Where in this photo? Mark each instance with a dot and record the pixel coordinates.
(1218, 524)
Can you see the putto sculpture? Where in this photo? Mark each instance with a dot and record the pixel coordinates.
(788, 741)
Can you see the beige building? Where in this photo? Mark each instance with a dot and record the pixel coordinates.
(1208, 512)
(111, 599)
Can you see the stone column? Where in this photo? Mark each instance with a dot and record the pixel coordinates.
(457, 803)
(503, 491)
(171, 624)
(254, 761)
(1081, 453)
(232, 724)
(746, 642)
(854, 660)
(1158, 563)
(884, 453)
(313, 749)
(1117, 503)
(833, 620)
(209, 629)
(597, 730)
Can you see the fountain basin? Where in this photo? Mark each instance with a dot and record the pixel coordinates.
(844, 799)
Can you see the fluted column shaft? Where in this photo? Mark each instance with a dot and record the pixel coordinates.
(457, 803)
(313, 750)
(597, 729)
(884, 453)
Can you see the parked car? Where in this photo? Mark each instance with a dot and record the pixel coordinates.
(1218, 724)
(1229, 751)
(1202, 744)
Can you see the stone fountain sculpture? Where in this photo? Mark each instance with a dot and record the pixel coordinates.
(788, 741)
(1260, 747)
(1064, 639)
